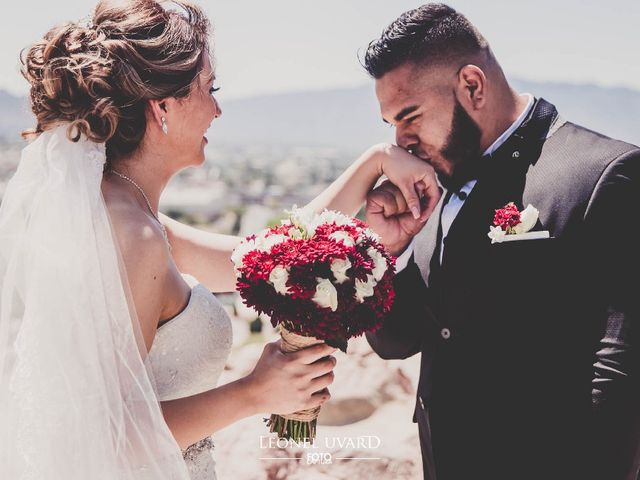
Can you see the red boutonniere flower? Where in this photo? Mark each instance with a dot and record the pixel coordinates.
(511, 224)
(508, 217)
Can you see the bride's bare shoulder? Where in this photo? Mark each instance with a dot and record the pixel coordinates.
(146, 258)
(139, 235)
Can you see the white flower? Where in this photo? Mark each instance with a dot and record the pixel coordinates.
(305, 220)
(379, 263)
(343, 237)
(365, 289)
(278, 278)
(326, 295)
(267, 243)
(528, 219)
(259, 240)
(339, 269)
(331, 216)
(295, 233)
(496, 234)
(240, 251)
(370, 234)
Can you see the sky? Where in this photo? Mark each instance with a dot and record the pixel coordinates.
(277, 46)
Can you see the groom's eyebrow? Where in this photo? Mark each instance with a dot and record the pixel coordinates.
(403, 113)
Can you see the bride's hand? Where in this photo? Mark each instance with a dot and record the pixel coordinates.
(287, 382)
(414, 177)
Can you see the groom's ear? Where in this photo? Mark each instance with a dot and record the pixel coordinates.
(472, 87)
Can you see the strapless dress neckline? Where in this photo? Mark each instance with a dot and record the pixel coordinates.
(194, 284)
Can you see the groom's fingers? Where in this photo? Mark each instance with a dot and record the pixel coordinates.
(387, 200)
(397, 204)
(430, 196)
(411, 198)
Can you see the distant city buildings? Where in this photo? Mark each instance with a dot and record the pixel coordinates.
(239, 189)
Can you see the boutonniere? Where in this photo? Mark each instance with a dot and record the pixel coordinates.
(510, 224)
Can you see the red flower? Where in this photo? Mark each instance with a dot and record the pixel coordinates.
(507, 217)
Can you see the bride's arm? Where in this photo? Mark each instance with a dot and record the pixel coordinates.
(414, 177)
(205, 255)
(348, 192)
(280, 383)
(193, 418)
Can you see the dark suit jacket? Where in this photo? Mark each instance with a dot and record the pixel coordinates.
(539, 375)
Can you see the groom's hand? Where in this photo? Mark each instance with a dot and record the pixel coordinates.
(414, 177)
(388, 214)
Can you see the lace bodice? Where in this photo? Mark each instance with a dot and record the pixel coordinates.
(187, 357)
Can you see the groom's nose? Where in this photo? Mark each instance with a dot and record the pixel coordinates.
(404, 140)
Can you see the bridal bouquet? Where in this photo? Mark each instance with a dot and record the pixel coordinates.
(323, 278)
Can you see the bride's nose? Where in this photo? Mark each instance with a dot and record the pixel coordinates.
(218, 110)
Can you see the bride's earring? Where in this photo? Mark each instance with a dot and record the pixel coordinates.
(164, 126)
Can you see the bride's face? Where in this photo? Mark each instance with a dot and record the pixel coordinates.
(188, 119)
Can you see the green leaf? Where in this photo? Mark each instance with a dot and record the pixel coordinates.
(338, 342)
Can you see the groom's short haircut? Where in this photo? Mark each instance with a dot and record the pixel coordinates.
(428, 35)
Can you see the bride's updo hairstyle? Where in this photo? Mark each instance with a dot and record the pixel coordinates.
(99, 75)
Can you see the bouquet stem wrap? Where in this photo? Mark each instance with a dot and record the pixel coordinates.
(299, 426)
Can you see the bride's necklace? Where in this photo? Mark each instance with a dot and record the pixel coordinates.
(146, 199)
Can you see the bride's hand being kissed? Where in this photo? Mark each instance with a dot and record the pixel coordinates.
(414, 178)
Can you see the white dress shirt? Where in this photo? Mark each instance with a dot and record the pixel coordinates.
(456, 201)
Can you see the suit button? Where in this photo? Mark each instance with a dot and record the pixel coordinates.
(446, 333)
(516, 154)
(462, 195)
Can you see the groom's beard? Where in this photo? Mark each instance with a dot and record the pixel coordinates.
(462, 146)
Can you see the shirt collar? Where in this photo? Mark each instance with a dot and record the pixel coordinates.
(514, 126)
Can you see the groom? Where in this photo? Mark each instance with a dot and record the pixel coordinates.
(530, 351)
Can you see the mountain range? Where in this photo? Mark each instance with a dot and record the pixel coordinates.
(349, 118)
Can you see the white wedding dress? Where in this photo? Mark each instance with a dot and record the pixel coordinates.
(187, 357)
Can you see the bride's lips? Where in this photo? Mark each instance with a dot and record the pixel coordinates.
(206, 140)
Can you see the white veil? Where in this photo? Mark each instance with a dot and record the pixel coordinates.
(77, 400)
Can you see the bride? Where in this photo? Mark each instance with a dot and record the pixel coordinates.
(111, 343)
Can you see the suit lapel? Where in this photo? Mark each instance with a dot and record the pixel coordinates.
(427, 240)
